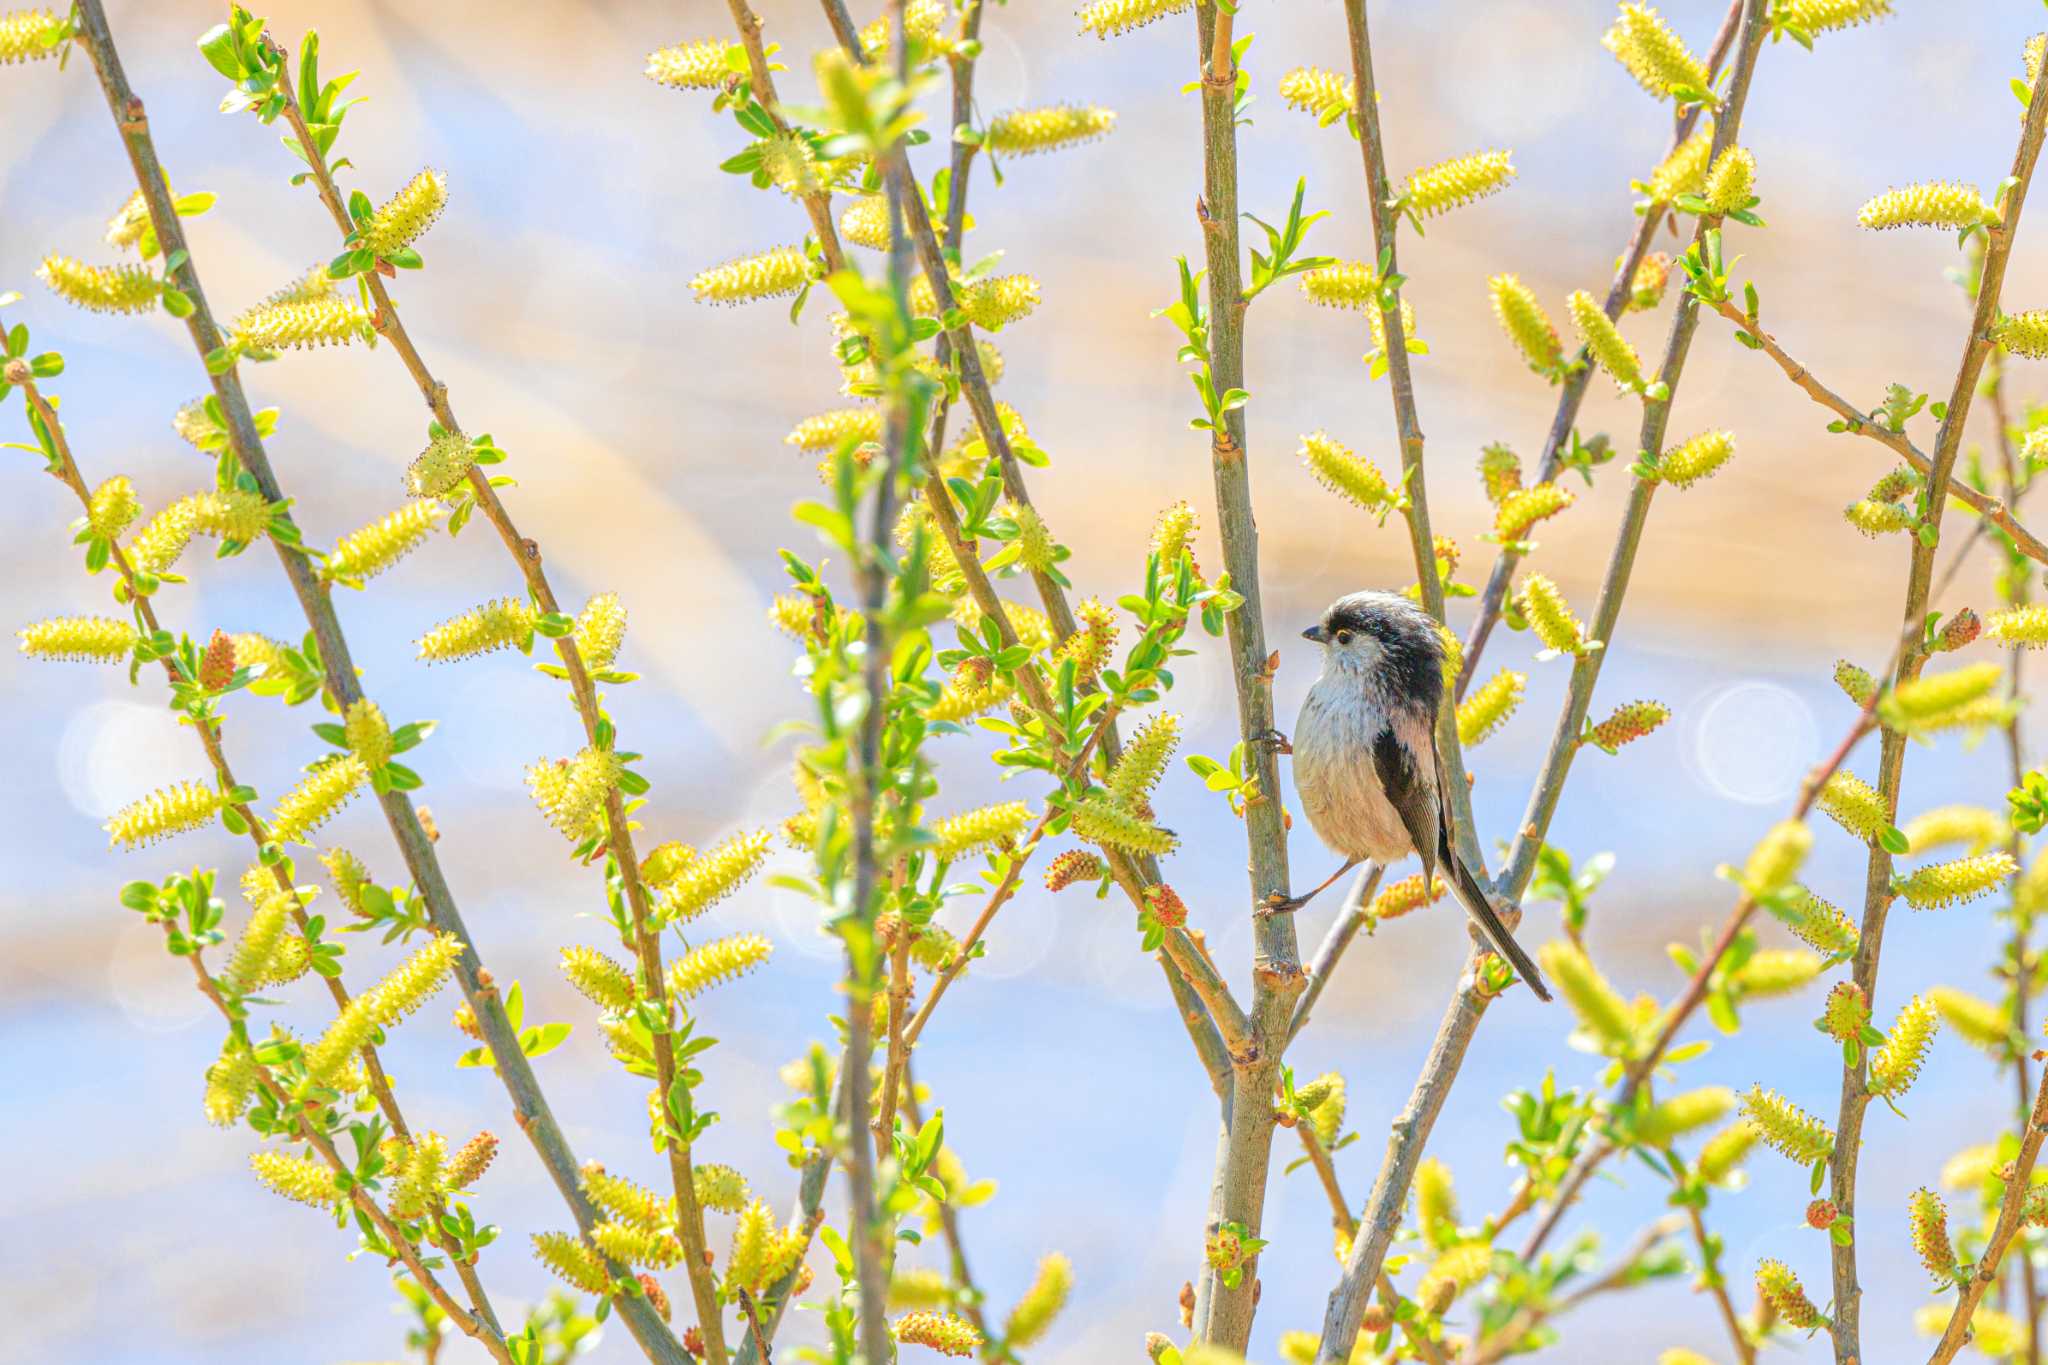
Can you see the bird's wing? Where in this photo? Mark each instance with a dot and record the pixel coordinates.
(1412, 795)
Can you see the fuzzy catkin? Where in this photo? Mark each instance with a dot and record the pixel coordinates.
(83, 639)
(1109, 18)
(1549, 615)
(769, 274)
(1895, 1066)
(1685, 1113)
(100, 288)
(690, 66)
(1786, 1128)
(176, 809)
(405, 217)
(1684, 171)
(1606, 343)
(1686, 464)
(1731, 181)
(710, 877)
(1489, 706)
(445, 462)
(319, 795)
(1026, 132)
(1856, 806)
(1936, 203)
(1658, 59)
(21, 36)
(1450, 184)
(1601, 1011)
(1525, 322)
(505, 623)
(365, 553)
(1342, 284)
(1352, 477)
(302, 326)
(1326, 95)
(1519, 511)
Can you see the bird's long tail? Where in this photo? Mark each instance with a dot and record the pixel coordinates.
(1474, 898)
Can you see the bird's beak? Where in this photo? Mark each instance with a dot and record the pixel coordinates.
(1315, 633)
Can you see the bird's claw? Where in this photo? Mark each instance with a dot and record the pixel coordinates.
(1273, 739)
(1277, 904)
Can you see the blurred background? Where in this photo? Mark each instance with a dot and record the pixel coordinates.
(646, 432)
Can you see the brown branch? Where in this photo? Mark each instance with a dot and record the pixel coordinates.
(1343, 1223)
(949, 1226)
(1350, 919)
(1504, 1342)
(1717, 1285)
(526, 554)
(1878, 894)
(1494, 597)
(529, 1104)
(2010, 1211)
(818, 203)
(1993, 510)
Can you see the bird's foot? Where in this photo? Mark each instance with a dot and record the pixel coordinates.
(1277, 904)
(1274, 740)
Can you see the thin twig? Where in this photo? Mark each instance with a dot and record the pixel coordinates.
(1345, 1225)
(1991, 509)
(1619, 1276)
(1411, 1131)
(530, 1105)
(2010, 1210)
(1350, 919)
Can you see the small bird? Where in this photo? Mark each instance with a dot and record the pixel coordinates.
(1365, 757)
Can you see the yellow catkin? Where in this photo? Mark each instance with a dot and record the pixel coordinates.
(1345, 284)
(176, 809)
(82, 639)
(1776, 971)
(1024, 132)
(1092, 647)
(1143, 762)
(1894, 1067)
(1958, 824)
(230, 1083)
(505, 623)
(690, 66)
(1406, 896)
(2019, 627)
(1927, 698)
(600, 631)
(599, 979)
(367, 732)
(1500, 472)
(1041, 1303)
(920, 1288)
(946, 1333)
(1856, 806)
(1602, 1013)
(710, 877)
(298, 1178)
(1629, 722)
(1174, 534)
(1450, 184)
(572, 1261)
(753, 1238)
(1436, 1200)
(1521, 510)
(1489, 706)
(368, 552)
(100, 288)
(1525, 322)
(1104, 822)
(1822, 16)
(990, 303)
(1684, 465)
(975, 830)
(1685, 170)
(769, 274)
(1777, 1286)
(419, 1176)
(1777, 857)
(572, 793)
(1977, 1022)
(255, 953)
(1928, 1218)
(1326, 95)
(922, 21)
(1605, 341)
(112, 508)
(1110, 18)
(318, 796)
(1646, 289)
(405, 217)
(1731, 181)
(1549, 615)
(1786, 1128)
(1937, 204)
(1685, 1113)
(828, 431)
(1724, 1153)
(719, 1188)
(1454, 1272)
(1821, 926)
(637, 1246)
(21, 36)
(1940, 885)
(1351, 477)
(302, 326)
(1659, 60)
(714, 963)
(2023, 334)
(445, 462)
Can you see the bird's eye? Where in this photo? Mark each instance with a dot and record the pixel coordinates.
(1343, 637)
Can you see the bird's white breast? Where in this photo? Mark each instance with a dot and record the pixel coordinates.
(1334, 773)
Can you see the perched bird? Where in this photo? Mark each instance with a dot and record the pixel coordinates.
(1365, 758)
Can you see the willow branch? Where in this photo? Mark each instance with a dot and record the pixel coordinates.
(1345, 1226)
(1846, 1325)
(526, 555)
(1411, 1131)
(949, 1226)
(1993, 510)
(818, 203)
(1564, 742)
(529, 1104)
(1494, 597)
(2011, 1211)
(1619, 1276)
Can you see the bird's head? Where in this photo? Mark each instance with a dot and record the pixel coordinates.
(1385, 636)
